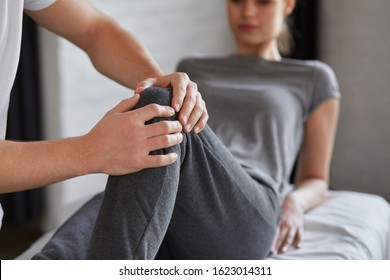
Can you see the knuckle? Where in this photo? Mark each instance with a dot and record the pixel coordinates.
(133, 119)
(166, 126)
(155, 108)
(192, 95)
(183, 76)
(202, 122)
(138, 161)
(199, 107)
(158, 160)
(283, 223)
(178, 125)
(166, 140)
(191, 101)
(193, 86)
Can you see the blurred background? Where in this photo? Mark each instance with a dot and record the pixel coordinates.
(59, 94)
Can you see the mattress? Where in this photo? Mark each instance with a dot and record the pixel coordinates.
(348, 225)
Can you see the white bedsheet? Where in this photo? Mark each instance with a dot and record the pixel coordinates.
(348, 225)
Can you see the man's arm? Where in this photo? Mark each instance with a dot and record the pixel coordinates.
(118, 55)
(119, 144)
(112, 50)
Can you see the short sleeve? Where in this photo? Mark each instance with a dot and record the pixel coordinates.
(324, 87)
(36, 5)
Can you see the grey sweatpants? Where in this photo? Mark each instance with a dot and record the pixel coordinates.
(203, 206)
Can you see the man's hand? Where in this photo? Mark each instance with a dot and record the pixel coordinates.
(290, 230)
(121, 142)
(186, 99)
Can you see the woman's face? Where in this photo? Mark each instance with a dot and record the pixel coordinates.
(257, 23)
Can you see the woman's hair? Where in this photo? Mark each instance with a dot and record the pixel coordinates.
(286, 40)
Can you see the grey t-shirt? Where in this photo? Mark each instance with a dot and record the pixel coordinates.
(258, 108)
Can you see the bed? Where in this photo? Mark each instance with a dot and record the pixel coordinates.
(348, 225)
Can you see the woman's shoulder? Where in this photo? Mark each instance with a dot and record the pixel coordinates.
(315, 66)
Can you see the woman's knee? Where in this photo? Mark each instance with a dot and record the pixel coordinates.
(155, 95)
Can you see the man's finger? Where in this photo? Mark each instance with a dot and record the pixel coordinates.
(201, 124)
(153, 161)
(153, 111)
(179, 85)
(196, 114)
(163, 141)
(125, 105)
(162, 128)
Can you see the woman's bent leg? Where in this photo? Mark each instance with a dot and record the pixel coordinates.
(136, 208)
(220, 211)
(204, 206)
(71, 240)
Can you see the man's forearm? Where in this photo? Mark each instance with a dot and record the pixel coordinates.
(33, 164)
(117, 54)
(113, 50)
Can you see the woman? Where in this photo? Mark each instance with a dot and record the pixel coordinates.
(218, 203)
(273, 109)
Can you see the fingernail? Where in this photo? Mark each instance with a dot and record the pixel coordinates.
(185, 119)
(188, 127)
(177, 107)
(196, 129)
(284, 249)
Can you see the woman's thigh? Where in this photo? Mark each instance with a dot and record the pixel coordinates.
(220, 211)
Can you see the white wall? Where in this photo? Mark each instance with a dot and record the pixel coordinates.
(355, 41)
(76, 96)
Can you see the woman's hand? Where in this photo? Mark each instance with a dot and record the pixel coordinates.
(290, 230)
(186, 99)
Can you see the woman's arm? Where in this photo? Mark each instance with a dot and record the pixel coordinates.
(118, 55)
(312, 175)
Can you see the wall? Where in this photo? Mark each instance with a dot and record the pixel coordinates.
(355, 41)
(76, 96)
